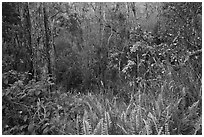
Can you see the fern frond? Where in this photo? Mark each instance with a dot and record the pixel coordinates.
(94, 118)
(166, 132)
(154, 121)
(160, 100)
(93, 105)
(127, 115)
(108, 119)
(147, 127)
(132, 115)
(80, 130)
(193, 108)
(128, 110)
(177, 103)
(139, 118)
(122, 117)
(104, 130)
(100, 108)
(122, 129)
(137, 123)
(87, 127)
(158, 105)
(85, 116)
(198, 125)
(160, 131)
(107, 104)
(86, 124)
(77, 126)
(98, 129)
(114, 102)
(133, 121)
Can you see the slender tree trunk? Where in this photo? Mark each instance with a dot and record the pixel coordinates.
(26, 25)
(49, 45)
(52, 50)
(41, 39)
(101, 24)
(47, 42)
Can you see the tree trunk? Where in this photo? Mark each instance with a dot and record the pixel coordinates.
(41, 39)
(47, 40)
(26, 25)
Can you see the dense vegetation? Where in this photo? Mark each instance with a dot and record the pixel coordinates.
(102, 68)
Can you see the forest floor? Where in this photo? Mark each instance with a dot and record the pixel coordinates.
(30, 109)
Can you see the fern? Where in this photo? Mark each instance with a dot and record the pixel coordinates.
(139, 118)
(86, 124)
(93, 105)
(137, 123)
(198, 125)
(87, 128)
(193, 108)
(85, 116)
(123, 129)
(122, 117)
(166, 132)
(104, 130)
(133, 117)
(108, 119)
(107, 104)
(158, 104)
(98, 129)
(154, 121)
(160, 131)
(125, 117)
(147, 127)
(80, 127)
(128, 110)
(77, 126)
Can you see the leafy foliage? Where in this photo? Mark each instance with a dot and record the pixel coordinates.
(94, 69)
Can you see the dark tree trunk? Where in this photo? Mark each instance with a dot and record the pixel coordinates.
(47, 39)
(26, 25)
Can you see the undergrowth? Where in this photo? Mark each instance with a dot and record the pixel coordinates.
(171, 110)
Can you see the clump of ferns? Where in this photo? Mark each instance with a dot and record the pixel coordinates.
(96, 118)
(86, 126)
(160, 113)
(175, 119)
(160, 125)
(181, 119)
(190, 119)
(131, 119)
(184, 117)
